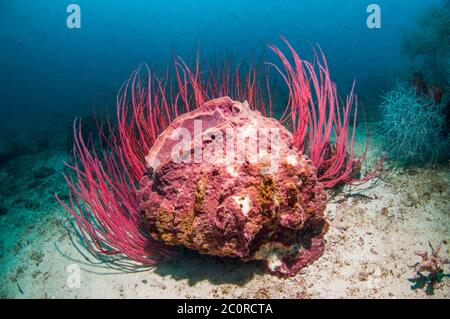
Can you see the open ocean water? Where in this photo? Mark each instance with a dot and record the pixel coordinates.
(67, 60)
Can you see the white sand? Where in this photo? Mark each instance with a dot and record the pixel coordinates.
(369, 251)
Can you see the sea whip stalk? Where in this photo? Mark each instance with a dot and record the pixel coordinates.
(104, 183)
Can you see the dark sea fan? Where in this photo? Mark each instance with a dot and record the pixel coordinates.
(412, 128)
(117, 215)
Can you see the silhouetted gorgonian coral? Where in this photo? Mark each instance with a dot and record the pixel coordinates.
(412, 128)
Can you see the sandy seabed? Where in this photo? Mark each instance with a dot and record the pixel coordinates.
(374, 231)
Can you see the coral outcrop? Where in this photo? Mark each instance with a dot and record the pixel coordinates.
(430, 270)
(165, 173)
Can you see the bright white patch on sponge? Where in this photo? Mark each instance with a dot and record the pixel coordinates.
(273, 253)
(244, 203)
(232, 170)
(273, 262)
(291, 160)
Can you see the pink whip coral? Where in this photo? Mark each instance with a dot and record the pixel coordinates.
(170, 175)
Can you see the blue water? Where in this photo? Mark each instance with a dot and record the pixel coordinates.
(50, 73)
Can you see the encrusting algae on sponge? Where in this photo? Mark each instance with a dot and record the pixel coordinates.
(208, 168)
